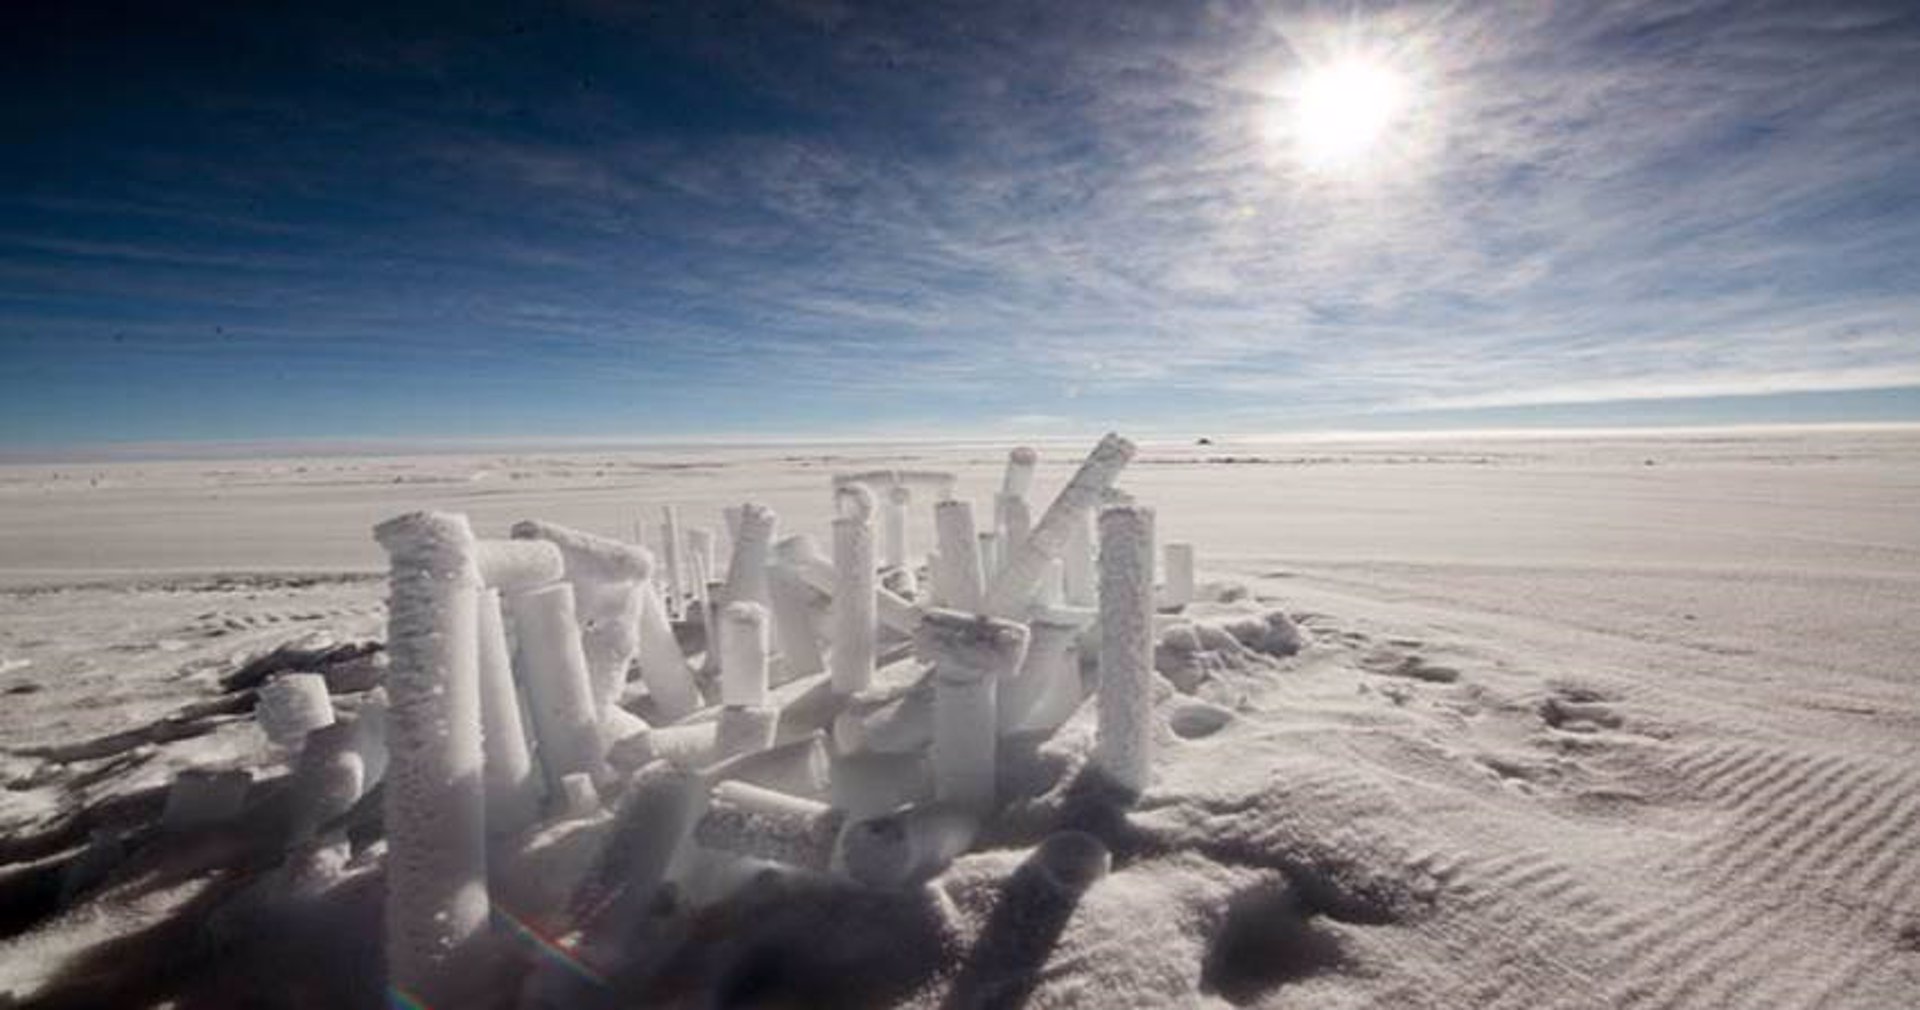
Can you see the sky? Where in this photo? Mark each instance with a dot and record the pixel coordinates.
(232, 221)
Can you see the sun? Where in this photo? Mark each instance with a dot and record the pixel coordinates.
(1342, 113)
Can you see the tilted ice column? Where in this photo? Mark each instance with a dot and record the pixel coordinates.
(743, 654)
(670, 556)
(894, 545)
(793, 604)
(752, 542)
(855, 625)
(970, 654)
(1047, 689)
(960, 576)
(750, 821)
(609, 616)
(1014, 587)
(1014, 517)
(1080, 574)
(513, 791)
(700, 560)
(436, 883)
(553, 668)
(663, 666)
(589, 557)
(1123, 744)
(1179, 574)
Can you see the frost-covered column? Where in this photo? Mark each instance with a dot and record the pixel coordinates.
(743, 654)
(553, 669)
(970, 654)
(1079, 572)
(959, 577)
(604, 573)
(894, 543)
(292, 705)
(794, 604)
(1123, 745)
(1179, 574)
(513, 788)
(670, 556)
(752, 542)
(750, 821)
(855, 625)
(1047, 689)
(1014, 587)
(663, 666)
(1012, 515)
(700, 560)
(435, 805)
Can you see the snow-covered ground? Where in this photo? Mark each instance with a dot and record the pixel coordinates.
(1602, 720)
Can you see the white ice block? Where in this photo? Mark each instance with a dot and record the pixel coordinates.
(855, 624)
(1047, 688)
(675, 575)
(435, 813)
(894, 527)
(517, 565)
(750, 821)
(663, 666)
(1179, 558)
(609, 618)
(1123, 743)
(513, 790)
(590, 557)
(752, 546)
(1080, 572)
(743, 653)
(971, 655)
(292, 705)
(1014, 587)
(960, 578)
(552, 667)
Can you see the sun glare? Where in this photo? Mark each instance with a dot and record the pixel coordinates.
(1342, 112)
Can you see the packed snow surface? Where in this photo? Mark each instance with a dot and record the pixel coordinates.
(1595, 721)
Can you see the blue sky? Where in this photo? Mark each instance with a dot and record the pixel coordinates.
(224, 222)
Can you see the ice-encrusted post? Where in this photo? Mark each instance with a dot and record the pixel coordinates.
(1079, 572)
(1014, 587)
(436, 883)
(700, 560)
(606, 574)
(750, 821)
(970, 654)
(1047, 689)
(670, 556)
(553, 669)
(794, 603)
(292, 705)
(893, 547)
(752, 541)
(743, 654)
(855, 620)
(513, 788)
(1123, 744)
(1179, 558)
(663, 667)
(959, 577)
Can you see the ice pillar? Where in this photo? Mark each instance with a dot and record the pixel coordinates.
(663, 666)
(743, 654)
(747, 568)
(553, 669)
(1047, 689)
(970, 654)
(1123, 744)
(894, 544)
(1013, 588)
(436, 886)
(670, 556)
(513, 790)
(1179, 574)
(855, 624)
(960, 576)
(750, 821)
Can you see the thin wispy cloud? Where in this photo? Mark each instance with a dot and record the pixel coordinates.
(817, 216)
